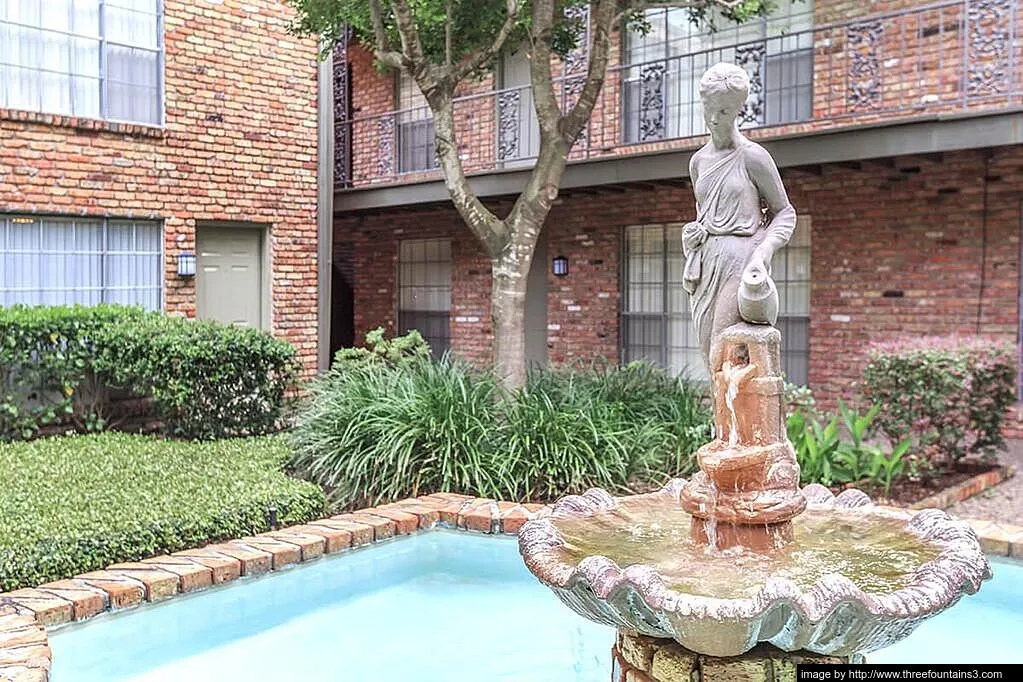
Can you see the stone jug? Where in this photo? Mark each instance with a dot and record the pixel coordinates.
(758, 298)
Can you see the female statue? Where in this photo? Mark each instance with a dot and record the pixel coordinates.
(743, 215)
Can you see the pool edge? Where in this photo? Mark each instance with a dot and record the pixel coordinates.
(26, 614)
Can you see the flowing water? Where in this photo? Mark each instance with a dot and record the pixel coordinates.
(877, 554)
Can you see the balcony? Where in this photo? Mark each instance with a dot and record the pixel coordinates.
(947, 58)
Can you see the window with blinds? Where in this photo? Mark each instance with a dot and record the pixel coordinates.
(656, 321)
(65, 261)
(416, 146)
(424, 291)
(89, 58)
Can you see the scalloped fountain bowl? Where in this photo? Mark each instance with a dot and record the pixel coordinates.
(849, 577)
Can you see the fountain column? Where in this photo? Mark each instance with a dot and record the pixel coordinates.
(649, 659)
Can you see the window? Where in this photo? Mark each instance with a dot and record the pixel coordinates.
(416, 146)
(424, 291)
(656, 323)
(518, 130)
(662, 93)
(63, 261)
(88, 58)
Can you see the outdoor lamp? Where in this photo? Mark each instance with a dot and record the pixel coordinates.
(186, 264)
(559, 266)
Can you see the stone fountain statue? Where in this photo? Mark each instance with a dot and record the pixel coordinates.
(739, 554)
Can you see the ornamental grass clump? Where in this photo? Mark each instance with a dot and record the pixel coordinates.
(380, 426)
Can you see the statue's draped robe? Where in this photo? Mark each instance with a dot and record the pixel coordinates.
(729, 225)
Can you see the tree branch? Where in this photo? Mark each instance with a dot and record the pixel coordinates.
(488, 228)
(409, 34)
(384, 53)
(475, 62)
(633, 5)
(600, 47)
(447, 33)
(545, 102)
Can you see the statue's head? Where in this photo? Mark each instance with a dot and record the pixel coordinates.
(724, 89)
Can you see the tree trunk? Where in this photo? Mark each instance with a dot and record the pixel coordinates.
(508, 307)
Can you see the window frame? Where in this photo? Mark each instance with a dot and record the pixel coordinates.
(102, 78)
(400, 287)
(667, 316)
(406, 116)
(7, 219)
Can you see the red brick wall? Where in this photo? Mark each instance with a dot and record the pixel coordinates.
(239, 145)
(875, 230)
(919, 71)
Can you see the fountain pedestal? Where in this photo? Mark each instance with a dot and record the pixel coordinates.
(747, 489)
(650, 659)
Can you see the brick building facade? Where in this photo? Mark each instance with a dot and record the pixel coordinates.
(190, 128)
(897, 131)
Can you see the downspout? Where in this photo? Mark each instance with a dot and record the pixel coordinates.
(324, 209)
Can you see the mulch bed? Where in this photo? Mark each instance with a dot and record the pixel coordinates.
(905, 492)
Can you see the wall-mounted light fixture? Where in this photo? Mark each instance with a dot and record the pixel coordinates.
(559, 266)
(186, 264)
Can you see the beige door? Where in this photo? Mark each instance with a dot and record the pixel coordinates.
(229, 275)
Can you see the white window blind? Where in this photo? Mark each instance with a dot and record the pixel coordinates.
(88, 58)
(64, 261)
(424, 290)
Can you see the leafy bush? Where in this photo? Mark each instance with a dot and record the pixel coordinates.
(207, 380)
(73, 504)
(58, 366)
(378, 348)
(948, 394)
(824, 457)
(373, 431)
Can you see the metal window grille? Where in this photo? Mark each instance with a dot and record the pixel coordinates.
(416, 147)
(656, 322)
(63, 261)
(89, 58)
(424, 291)
(661, 89)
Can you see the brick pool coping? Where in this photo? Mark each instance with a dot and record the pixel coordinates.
(26, 614)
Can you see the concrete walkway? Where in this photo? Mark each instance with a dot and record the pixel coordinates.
(1004, 502)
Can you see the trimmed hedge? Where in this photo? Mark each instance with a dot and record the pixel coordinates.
(950, 395)
(206, 380)
(73, 504)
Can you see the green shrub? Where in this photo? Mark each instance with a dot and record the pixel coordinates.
(825, 457)
(948, 395)
(58, 366)
(207, 380)
(412, 346)
(47, 372)
(373, 431)
(73, 504)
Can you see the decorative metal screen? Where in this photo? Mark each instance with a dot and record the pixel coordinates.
(661, 88)
(656, 321)
(89, 58)
(63, 261)
(424, 291)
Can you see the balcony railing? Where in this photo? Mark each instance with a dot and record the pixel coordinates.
(945, 57)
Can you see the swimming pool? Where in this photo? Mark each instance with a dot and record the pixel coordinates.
(439, 606)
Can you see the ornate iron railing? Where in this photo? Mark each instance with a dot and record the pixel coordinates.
(944, 57)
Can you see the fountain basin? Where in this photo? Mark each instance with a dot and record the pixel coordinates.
(854, 578)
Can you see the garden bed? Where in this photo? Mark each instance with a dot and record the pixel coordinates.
(78, 503)
(941, 490)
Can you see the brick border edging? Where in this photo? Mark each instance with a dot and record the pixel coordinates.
(967, 489)
(26, 613)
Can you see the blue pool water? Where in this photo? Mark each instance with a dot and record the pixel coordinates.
(441, 606)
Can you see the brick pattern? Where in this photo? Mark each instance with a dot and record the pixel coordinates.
(25, 614)
(966, 489)
(239, 146)
(907, 247)
(926, 78)
(637, 658)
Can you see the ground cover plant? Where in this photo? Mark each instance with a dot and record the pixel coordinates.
(387, 421)
(72, 504)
